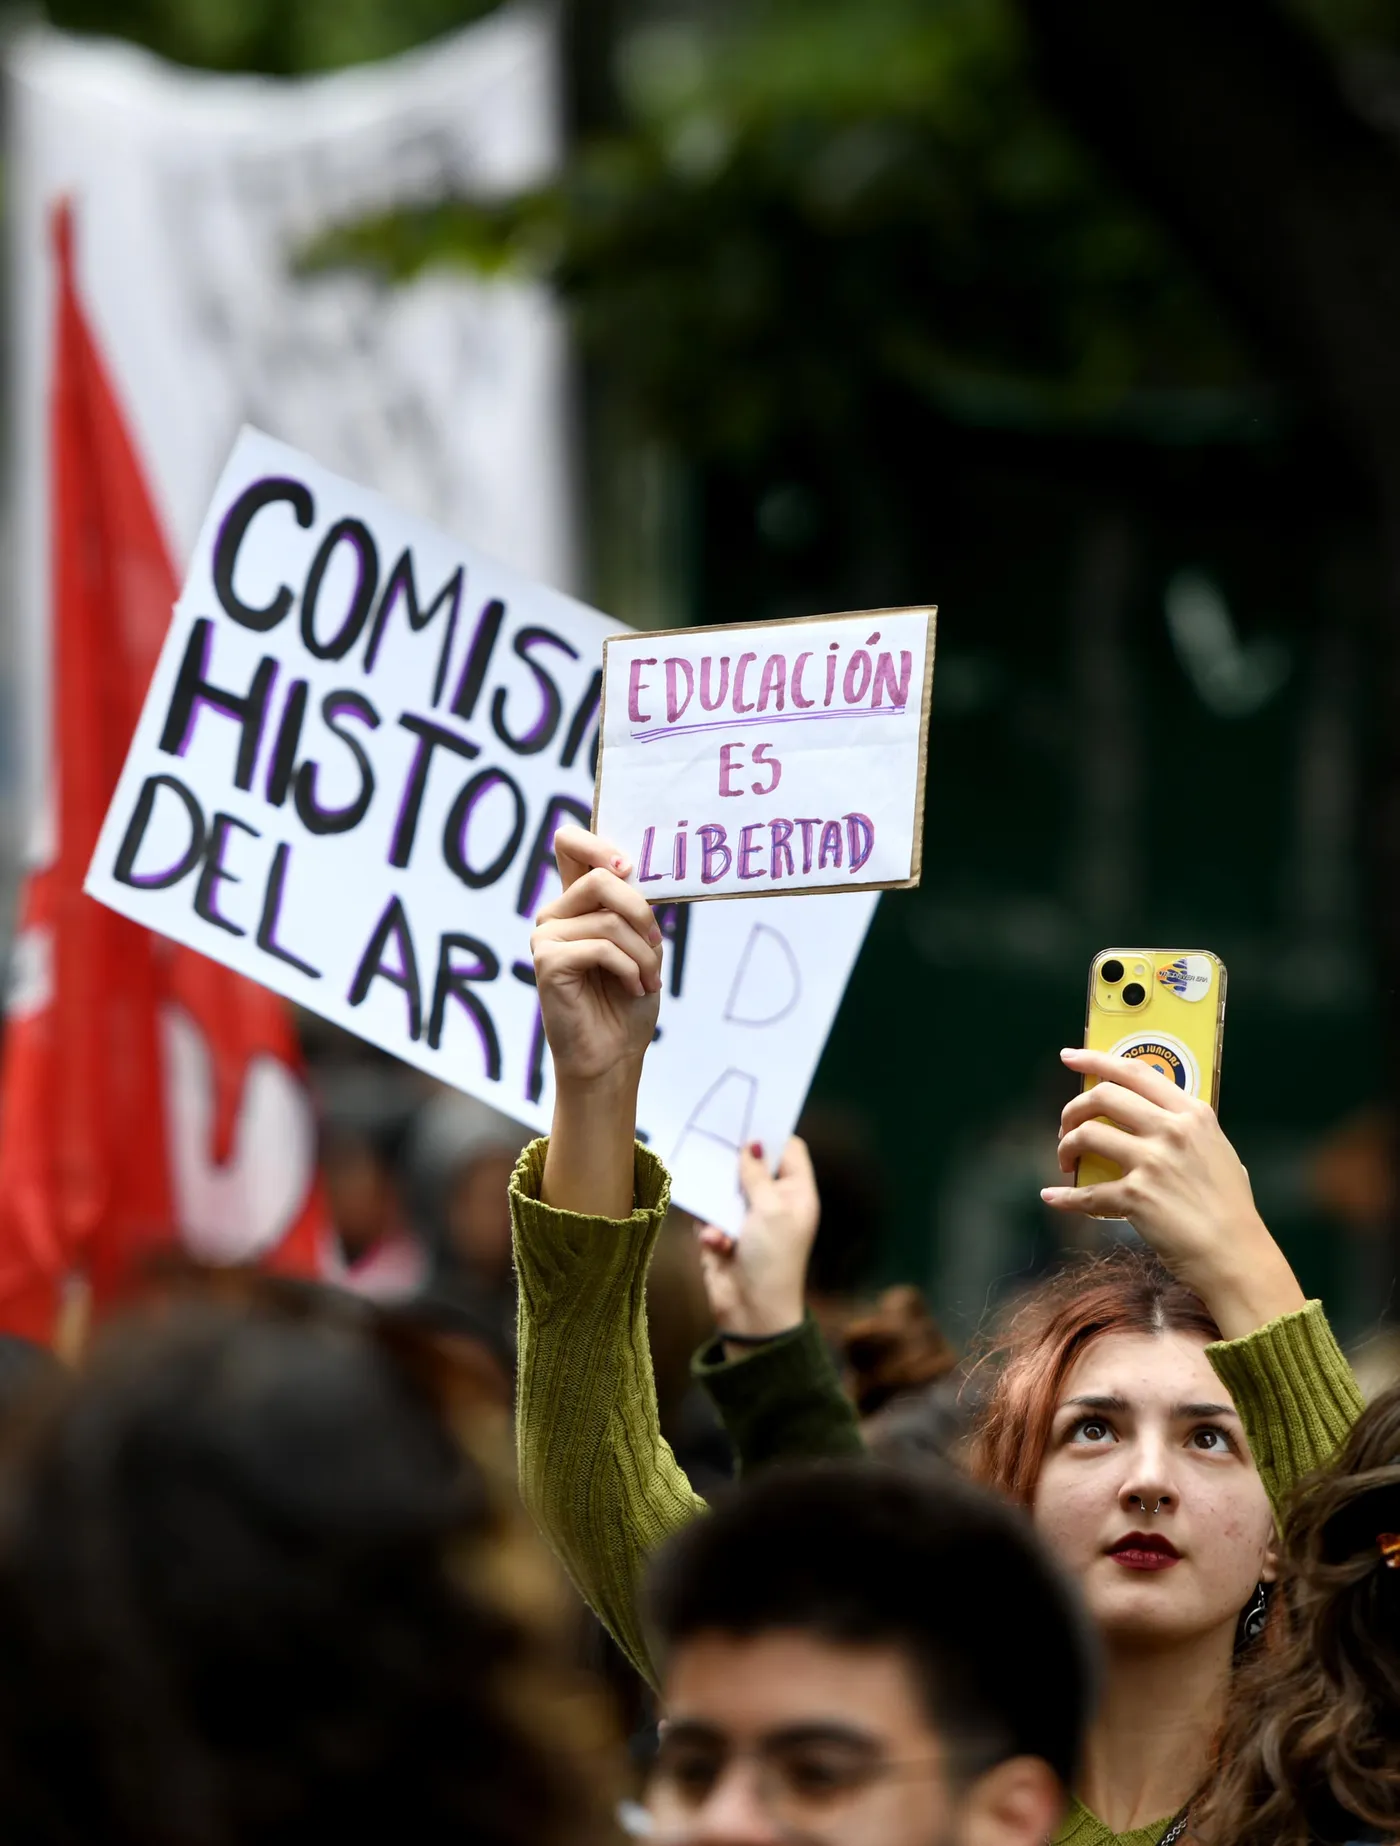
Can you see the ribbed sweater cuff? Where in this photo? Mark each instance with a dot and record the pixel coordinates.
(781, 1401)
(554, 1248)
(1294, 1390)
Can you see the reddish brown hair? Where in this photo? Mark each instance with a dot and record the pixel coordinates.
(896, 1347)
(1126, 1291)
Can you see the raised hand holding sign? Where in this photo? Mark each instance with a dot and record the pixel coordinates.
(360, 741)
(775, 758)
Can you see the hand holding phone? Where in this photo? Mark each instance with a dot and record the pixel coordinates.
(1149, 1148)
(1165, 1007)
(1183, 1188)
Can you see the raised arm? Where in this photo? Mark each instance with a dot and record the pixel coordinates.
(586, 1207)
(1186, 1192)
(768, 1370)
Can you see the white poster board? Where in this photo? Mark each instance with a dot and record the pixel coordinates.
(345, 784)
(773, 758)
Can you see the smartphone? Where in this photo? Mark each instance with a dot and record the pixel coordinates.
(1165, 1005)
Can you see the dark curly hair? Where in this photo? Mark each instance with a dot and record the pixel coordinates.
(250, 1592)
(1312, 1746)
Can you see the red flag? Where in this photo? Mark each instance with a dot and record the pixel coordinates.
(148, 1095)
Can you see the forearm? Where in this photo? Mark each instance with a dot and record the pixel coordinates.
(1248, 1283)
(1240, 1304)
(589, 1163)
(594, 1471)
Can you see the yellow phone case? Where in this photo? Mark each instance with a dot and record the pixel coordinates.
(1177, 1024)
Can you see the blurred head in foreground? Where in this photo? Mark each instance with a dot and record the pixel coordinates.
(252, 1590)
(859, 1656)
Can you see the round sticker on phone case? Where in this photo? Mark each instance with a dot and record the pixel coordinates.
(1165, 1054)
(1188, 976)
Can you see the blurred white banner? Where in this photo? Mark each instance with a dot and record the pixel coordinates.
(194, 196)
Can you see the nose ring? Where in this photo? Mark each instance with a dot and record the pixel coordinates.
(1137, 1497)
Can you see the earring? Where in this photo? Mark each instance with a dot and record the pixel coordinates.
(1253, 1617)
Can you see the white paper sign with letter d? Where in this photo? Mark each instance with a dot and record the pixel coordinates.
(775, 758)
(359, 741)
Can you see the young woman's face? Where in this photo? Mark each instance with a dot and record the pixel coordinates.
(1148, 1495)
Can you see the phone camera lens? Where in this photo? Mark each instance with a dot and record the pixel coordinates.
(1134, 994)
(1112, 972)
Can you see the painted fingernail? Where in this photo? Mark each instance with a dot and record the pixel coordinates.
(756, 1149)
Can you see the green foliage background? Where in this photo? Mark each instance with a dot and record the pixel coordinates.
(864, 323)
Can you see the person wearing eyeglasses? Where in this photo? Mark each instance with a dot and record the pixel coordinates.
(853, 1654)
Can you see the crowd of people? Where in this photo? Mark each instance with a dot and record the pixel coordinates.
(1129, 1573)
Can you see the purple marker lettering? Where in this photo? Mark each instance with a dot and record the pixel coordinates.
(831, 673)
(773, 683)
(807, 826)
(675, 707)
(830, 853)
(749, 850)
(854, 687)
(885, 680)
(779, 833)
(797, 697)
(762, 760)
(860, 840)
(712, 849)
(728, 769)
(713, 704)
(678, 854)
(645, 875)
(635, 689)
(745, 662)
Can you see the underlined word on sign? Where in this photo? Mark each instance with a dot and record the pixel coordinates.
(772, 758)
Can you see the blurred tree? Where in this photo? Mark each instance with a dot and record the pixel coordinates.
(281, 37)
(1278, 168)
(808, 205)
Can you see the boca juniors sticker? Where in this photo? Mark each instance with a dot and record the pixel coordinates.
(1165, 1054)
(1188, 976)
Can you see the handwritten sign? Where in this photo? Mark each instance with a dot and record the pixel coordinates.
(773, 758)
(359, 741)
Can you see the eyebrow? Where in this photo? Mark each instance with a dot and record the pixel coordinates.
(791, 1736)
(1119, 1404)
(690, 1730)
(794, 1736)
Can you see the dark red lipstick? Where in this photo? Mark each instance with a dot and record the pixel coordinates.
(1144, 1551)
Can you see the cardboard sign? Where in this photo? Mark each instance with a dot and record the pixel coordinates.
(359, 741)
(774, 758)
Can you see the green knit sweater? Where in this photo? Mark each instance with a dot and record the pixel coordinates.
(606, 1489)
